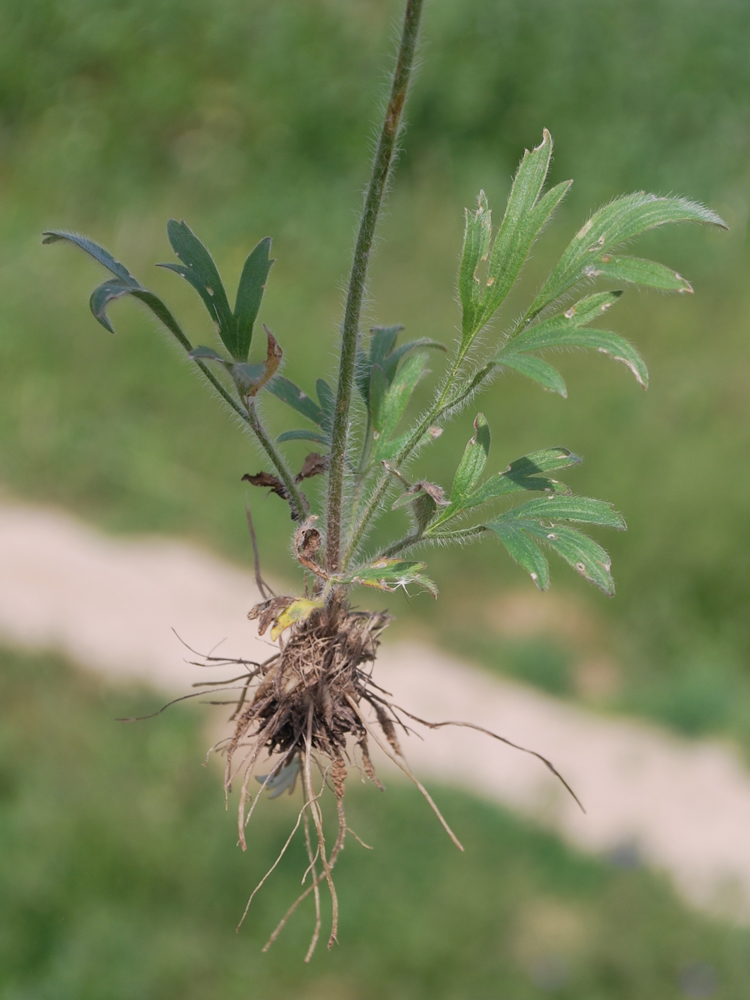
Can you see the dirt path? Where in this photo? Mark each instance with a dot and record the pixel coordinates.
(110, 604)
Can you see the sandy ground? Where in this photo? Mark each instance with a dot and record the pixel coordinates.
(111, 604)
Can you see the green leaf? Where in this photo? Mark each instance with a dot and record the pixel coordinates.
(396, 399)
(293, 396)
(377, 394)
(612, 225)
(249, 295)
(477, 235)
(638, 272)
(524, 551)
(473, 461)
(101, 297)
(568, 508)
(525, 217)
(382, 343)
(125, 285)
(327, 400)
(536, 369)
(199, 270)
(98, 253)
(206, 354)
(586, 556)
(389, 574)
(617, 347)
(391, 362)
(304, 435)
(523, 474)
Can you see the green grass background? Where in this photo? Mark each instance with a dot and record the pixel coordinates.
(253, 118)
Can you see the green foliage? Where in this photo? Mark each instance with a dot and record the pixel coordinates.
(387, 376)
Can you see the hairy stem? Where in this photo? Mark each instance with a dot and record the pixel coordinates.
(350, 327)
(441, 406)
(295, 497)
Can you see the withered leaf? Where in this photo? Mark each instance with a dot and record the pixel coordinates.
(314, 465)
(273, 483)
(307, 541)
(268, 611)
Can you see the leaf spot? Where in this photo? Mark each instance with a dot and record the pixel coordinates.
(569, 313)
(552, 537)
(534, 577)
(581, 567)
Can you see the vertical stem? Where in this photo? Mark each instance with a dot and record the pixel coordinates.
(350, 327)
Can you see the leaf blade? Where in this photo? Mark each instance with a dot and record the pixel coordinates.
(250, 294)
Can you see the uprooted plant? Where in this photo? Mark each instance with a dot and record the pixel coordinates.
(314, 703)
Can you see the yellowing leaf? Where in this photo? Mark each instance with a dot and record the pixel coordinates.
(296, 612)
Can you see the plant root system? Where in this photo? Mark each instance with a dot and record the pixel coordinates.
(313, 708)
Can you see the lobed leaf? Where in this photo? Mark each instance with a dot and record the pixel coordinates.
(250, 294)
(523, 474)
(568, 329)
(609, 227)
(199, 270)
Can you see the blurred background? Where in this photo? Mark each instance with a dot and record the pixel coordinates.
(118, 873)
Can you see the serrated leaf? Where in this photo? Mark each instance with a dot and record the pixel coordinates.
(200, 271)
(304, 435)
(536, 369)
(523, 550)
(472, 462)
(396, 398)
(608, 228)
(250, 294)
(389, 574)
(585, 555)
(206, 354)
(99, 254)
(293, 396)
(638, 272)
(568, 508)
